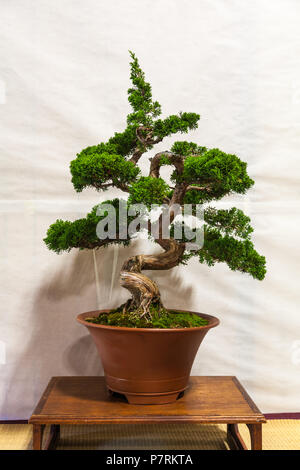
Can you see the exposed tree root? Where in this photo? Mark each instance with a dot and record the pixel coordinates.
(144, 291)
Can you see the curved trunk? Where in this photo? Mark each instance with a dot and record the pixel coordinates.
(144, 291)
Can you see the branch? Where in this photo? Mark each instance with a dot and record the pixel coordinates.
(136, 155)
(174, 159)
(200, 188)
(140, 137)
(165, 260)
(121, 186)
(146, 141)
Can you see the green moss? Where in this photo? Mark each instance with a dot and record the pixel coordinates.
(163, 319)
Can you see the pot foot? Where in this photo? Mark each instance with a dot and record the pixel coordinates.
(148, 399)
(152, 399)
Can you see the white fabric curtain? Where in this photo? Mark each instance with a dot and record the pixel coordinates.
(63, 86)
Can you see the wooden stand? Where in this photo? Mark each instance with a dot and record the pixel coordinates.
(86, 400)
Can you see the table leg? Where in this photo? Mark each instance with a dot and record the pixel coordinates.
(38, 430)
(256, 436)
(234, 438)
(53, 437)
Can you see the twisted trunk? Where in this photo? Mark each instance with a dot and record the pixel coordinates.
(144, 291)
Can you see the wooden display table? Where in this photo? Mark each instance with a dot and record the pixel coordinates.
(85, 400)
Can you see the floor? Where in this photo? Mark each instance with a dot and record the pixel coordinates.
(281, 434)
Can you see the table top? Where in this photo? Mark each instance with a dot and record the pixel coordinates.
(86, 400)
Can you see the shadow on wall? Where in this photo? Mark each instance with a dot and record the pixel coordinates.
(58, 345)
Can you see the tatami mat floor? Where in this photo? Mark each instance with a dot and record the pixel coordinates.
(281, 434)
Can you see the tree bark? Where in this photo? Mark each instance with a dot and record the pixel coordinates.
(144, 291)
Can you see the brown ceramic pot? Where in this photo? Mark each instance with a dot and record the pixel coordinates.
(148, 366)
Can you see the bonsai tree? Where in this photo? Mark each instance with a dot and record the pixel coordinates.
(199, 176)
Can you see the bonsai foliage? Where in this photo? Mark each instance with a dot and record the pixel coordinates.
(199, 176)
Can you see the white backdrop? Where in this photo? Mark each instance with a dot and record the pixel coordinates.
(63, 86)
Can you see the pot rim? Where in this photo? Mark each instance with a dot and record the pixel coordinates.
(213, 322)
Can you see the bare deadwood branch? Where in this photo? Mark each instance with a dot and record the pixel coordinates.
(207, 187)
